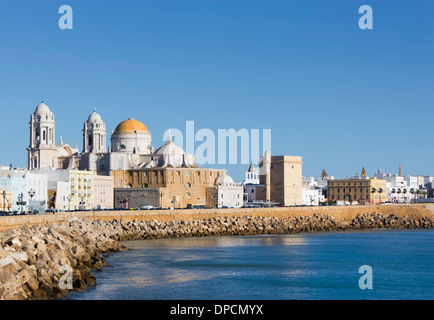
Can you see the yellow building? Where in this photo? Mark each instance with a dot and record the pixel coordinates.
(81, 188)
(282, 179)
(175, 175)
(363, 189)
(179, 187)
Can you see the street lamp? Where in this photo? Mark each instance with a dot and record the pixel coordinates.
(31, 195)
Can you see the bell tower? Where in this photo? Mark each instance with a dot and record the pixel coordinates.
(42, 147)
(94, 134)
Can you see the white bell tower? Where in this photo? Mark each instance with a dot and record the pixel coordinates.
(252, 176)
(42, 148)
(94, 134)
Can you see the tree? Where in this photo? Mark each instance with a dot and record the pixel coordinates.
(380, 191)
(412, 192)
(373, 190)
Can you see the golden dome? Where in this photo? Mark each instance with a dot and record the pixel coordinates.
(130, 126)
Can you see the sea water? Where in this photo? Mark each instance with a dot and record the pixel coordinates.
(313, 266)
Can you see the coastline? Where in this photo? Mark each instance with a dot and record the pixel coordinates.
(32, 255)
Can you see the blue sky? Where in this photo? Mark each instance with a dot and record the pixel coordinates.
(340, 97)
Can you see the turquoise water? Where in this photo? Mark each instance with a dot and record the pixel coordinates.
(302, 266)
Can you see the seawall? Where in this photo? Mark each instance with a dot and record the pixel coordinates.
(344, 214)
(37, 251)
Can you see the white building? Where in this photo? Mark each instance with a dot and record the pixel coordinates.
(229, 194)
(412, 182)
(37, 191)
(63, 192)
(311, 196)
(397, 187)
(28, 190)
(309, 181)
(252, 176)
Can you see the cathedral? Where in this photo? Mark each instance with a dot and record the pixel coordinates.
(130, 148)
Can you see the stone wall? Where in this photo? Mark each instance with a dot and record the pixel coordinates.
(340, 213)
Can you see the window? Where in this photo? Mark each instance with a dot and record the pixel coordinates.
(187, 173)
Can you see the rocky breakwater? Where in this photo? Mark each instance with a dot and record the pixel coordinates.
(45, 262)
(249, 225)
(33, 259)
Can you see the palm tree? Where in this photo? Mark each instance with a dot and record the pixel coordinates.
(373, 190)
(412, 192)
(404, 191)
(380, 191)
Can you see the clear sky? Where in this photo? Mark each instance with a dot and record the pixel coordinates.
(340, 97)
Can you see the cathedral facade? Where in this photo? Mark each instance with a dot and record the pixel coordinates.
(130, 147)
